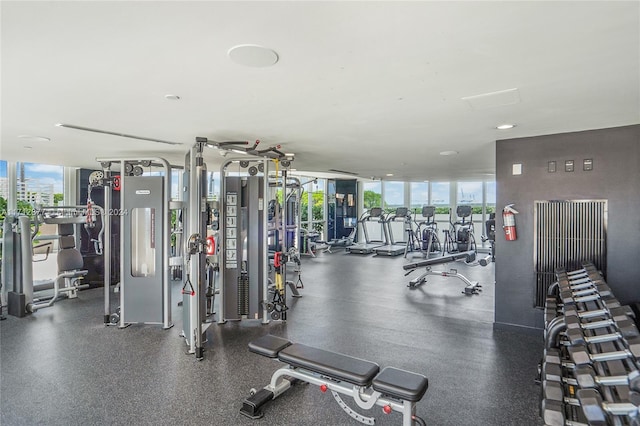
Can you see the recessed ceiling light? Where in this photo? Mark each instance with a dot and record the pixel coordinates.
(445, 153)
(505, 126)
(31, 138)
(252, 55)
(28, 147)
(172, 97)
(389, 174)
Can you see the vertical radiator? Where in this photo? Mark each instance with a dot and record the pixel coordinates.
(567, 233)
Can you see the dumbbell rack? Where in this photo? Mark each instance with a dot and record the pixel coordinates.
(589, 372)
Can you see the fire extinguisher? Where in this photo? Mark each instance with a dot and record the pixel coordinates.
(509, 222)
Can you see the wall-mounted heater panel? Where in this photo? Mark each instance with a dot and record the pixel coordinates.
(567, 233)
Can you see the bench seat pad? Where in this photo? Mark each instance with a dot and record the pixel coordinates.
(401, 384)
(268, 345)
(334, 365)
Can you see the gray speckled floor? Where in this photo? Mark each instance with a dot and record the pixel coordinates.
(61, 366)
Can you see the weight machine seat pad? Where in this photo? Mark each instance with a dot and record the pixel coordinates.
(268, 345)
(334, 365)
(401, 384)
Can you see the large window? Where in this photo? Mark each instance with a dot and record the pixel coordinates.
(470, 193)
(4, 189)
(317, 205)
(419, 196)
(490, 202)
(312, 206)
(440, 196)
(40, 184)
(372, 195)
(393, 195)
(213, 185)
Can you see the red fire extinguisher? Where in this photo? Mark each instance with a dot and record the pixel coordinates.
(509, 222)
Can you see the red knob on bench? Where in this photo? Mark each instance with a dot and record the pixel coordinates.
(387, 409)
(323, 388)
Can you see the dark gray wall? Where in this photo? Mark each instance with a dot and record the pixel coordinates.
(615, 177)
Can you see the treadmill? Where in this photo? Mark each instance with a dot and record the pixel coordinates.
(370, 218)
(394, 246)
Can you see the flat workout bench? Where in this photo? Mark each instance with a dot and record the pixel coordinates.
(391, 388)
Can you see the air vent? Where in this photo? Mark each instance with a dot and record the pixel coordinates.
(493, 99)
(122, 135)
(343, 172)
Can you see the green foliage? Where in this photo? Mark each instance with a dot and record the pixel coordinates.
(25, 208)
(3, 208)
(372, 199)
(317, 209)
(57, 198)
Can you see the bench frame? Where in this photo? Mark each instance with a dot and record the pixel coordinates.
(365, 397)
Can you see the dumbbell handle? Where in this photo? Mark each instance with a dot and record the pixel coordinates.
(592, 314)
(598, 324)
(611, 356)
(620, 408)
(579, 282)
(588, 298)
(602, 338)
(615, 408)
(600, 380)
(612, 380)
(584, 292)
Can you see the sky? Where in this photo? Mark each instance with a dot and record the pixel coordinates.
(45, 174)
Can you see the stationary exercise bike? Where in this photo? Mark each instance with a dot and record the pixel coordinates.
(460, 235)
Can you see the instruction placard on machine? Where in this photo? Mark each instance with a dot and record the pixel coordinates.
(231, 233)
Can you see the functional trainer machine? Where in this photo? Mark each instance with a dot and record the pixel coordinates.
(392, 389)
(259, 239)
(145, 292)
(469, 257)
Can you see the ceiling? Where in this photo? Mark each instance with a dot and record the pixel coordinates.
(366, 87)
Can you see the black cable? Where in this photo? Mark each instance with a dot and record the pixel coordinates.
(418, 420)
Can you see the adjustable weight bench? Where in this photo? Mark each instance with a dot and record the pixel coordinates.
(392, 389)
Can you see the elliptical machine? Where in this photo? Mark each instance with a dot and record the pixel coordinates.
(425, 237)
(490, 234)
(460, 235)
